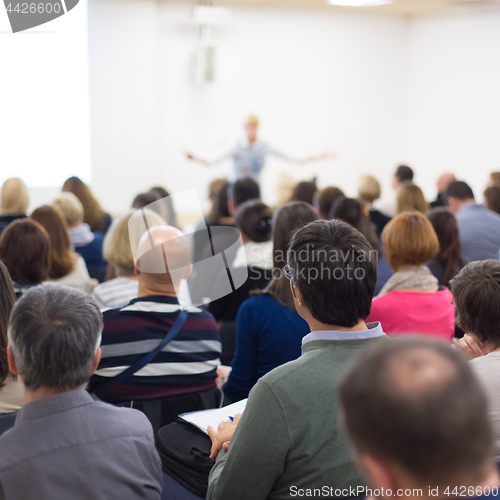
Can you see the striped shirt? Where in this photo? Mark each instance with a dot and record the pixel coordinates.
(118, 292)
(186, 364)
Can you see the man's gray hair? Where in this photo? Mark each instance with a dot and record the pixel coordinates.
(54, 332)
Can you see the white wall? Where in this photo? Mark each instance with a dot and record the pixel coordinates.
(454, 100)
(378, 90)
(318, 80)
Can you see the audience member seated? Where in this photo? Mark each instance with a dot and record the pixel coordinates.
(217, 238)
(370, 191)
(476, 292)
(11, 389)
(403, 174)
(286, 437)
(417, 420)
(442, 184)
(304, 191)
(187, 365)
(448, 261)
(412, 302)
(167, 207)
(324, 199)
(144, 199)
(123, 235)
(269, 331)
(479, 227)
(66, 267)
(25, 251)
(492, 198)
(409, 198)
(64, 444)
(83, 240)
(13, 201)
(494, 179)
(98, 220)
(351, 211)
(255, 257)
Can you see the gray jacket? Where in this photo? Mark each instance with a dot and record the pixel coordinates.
(70, 447)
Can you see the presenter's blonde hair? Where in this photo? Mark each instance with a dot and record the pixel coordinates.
(252, 120)
(14, 197)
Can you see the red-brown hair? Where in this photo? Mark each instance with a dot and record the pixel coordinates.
(25, 251)
(62, 260)
(409, 240)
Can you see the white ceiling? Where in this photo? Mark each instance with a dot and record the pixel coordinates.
(398, 7)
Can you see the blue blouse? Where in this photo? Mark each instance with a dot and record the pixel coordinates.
(268, 334)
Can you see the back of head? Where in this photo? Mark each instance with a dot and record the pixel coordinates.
(324, 200)
(492, 198)
(25, 251)
(53, 221)
(121, 242)
(220, 206)
(165, 205)
(70, 206)
(450, 251)
(163, 257)
(334, 267)
(304, 191)
(404, 173)
(93, 213)
(459, 190)
(13, 197)
(409, 240)
(244, 190)
(369, 189)
(7, 301)
(416, 404)
(286, 220)
(476, 292)
(144, 199)
(495, 177)
(351, 211)
(54, 332)
(410, 197)
(254, 220)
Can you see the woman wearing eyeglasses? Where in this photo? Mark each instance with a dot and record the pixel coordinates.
(268, 329)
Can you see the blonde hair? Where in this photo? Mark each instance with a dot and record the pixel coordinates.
(70, 206)
(410, 198)
(14, 197)
(121, 242)
(369, 189)
(252, 120)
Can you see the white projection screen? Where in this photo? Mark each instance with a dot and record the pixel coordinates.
(44, 100)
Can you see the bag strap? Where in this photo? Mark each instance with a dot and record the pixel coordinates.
(148, 357)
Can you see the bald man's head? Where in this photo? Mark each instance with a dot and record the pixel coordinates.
(444, 180)
(416, 403)
(164, 256)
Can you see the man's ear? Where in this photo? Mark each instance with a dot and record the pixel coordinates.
(11, 361)
(97, 360)
(377, 473)
(136, 271)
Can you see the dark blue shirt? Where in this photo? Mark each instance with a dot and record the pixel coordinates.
(268, 334)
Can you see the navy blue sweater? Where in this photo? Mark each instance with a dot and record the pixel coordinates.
(268, 334)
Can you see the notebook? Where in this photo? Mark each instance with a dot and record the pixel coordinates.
(203, 419)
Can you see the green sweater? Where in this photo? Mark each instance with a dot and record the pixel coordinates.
(289, 435)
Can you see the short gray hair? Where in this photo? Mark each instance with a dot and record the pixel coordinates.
(54, 332)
